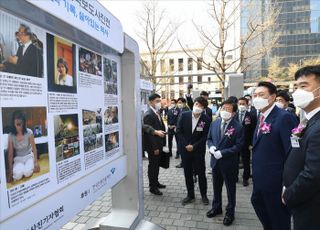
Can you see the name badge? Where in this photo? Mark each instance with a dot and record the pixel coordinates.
(295, 142)
(199, 129)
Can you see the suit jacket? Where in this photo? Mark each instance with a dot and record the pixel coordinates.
(270, 150)
(152, 142)
(173, 117)
(229, 146)
(248, 124)
(197, 138)
(301, 177)
(31, 63)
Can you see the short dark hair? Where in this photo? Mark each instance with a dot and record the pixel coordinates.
(201, 101)
(175, 101)
(204, 93)
(284, 95)
(183, 100)
(20, 116)
(307, 70)
(154, 96)
(233, 99)
(230, 102)
(27, 29)
(271, 87)
(243, 99)
(63, 62)
(248, 95)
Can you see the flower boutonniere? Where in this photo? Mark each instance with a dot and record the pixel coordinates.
(201, 124)
(298, 131)
(265, 128)
(229, 132)
(247, 120)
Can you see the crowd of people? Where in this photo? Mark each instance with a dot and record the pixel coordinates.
(276, 131)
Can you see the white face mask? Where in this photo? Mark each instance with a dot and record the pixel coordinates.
(260, 103)
(280, 105)
(171, 106)
(157, 106)
(197, 110)
(302, 98)
(180, 106)
(242, 108)
(225, 115)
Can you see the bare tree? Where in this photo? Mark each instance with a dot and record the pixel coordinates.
(222, 52)
(157, 34)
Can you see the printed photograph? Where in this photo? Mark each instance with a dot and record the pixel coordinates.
(110, 71)
(90, 62)
(21, 47)
(66, 136)
(111, 115)
(62, 75)
(112, 141)
(25, 142)
(92, 129)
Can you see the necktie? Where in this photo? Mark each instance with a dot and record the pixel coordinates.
(241, 117)
(223, 127)
(261, 122)
(20, 51)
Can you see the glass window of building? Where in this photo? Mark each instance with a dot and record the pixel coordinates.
(190, 64)
(180, 64)
(171, 64)
(199, 79)
(171, 80)
(180, 80)
(172, 94)
(190, 79)
(162, 66)
(181, 93)
(199, 63)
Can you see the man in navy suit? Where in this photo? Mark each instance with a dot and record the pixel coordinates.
(225, 141)
(248, 123)
(154, 144)
(173, 114)
(271, 145)
(301, 176)
(192, 129)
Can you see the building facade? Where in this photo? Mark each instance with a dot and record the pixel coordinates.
(176, 70)
(298, 27)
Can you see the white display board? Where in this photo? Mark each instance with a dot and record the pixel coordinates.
(66, 99)
(88, 16)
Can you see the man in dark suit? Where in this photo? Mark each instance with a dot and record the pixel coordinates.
(154, 144)
(192, 129)
(301, 176)
(225, 141)
(173, 114)
(271, 145)
(245, 119)
(182, 106)
(207, 111)
(282, 101)
(29, 58)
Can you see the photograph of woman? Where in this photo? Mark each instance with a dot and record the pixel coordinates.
(63, 78)
(22, 152)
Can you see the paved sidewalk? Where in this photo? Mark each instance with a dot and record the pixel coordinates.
(167, 210)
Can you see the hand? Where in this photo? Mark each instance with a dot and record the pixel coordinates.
(212, 149)
(36, 167)
(156, 152)
(159, 133)
(13, 59)
(175, 129)
(217, 155)
(282, 199)
(250, 147)
(189, 148)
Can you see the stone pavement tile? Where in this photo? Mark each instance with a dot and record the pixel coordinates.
(83, 219)
(202, 225)
(190, 224)
(80, 227)
(167, 222)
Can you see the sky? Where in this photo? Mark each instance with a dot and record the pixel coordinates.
(181, 12)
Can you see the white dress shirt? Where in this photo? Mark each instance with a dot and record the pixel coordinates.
(266, 113)
(195, 121)
(26, 47)
(312, 113)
